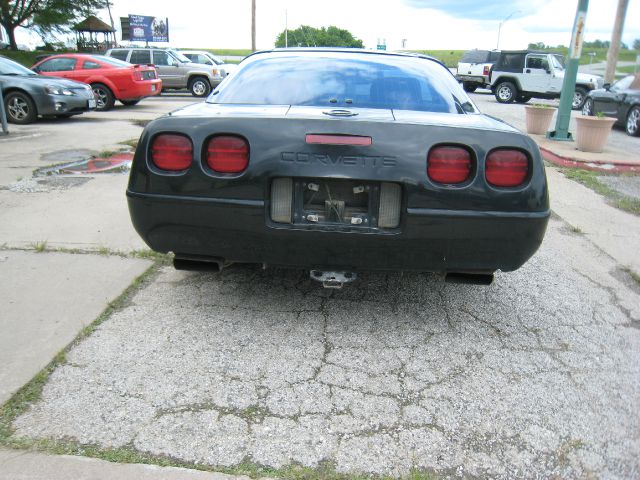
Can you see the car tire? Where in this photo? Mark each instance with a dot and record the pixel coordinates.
(469, 86)
(632, 126)
(522, 99)
(579, 97)
(130, 103)
(199, 86)
(20, 108)
(104, 97)
(587, 107)
(506, 92)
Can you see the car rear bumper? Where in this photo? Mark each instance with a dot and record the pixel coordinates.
(473, 78)
(428, 239)
(141, 89)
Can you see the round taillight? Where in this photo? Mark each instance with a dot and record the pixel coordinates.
(449, 165)
(227, 154)
(171, 152)
(506, 168)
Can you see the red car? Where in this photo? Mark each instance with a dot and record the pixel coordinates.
(110, 78)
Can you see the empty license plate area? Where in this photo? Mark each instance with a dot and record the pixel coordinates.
(335, 203)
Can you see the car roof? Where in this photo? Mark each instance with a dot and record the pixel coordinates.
(526, 52)
(363, 51)
(75, 55)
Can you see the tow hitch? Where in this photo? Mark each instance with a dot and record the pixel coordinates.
(333, 279)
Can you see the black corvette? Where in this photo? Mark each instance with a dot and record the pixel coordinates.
(620, 101)
(340, 161)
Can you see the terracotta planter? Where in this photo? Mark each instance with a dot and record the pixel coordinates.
(592, 133)
(538, 119)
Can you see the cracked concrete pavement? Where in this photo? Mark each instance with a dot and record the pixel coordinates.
(535, 376)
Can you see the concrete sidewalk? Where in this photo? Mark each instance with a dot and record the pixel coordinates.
(20, 465)
(614, 158)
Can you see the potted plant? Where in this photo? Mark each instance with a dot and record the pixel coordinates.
(592, 133)
(538, 117)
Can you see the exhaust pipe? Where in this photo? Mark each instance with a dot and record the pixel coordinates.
(199, 264)
(469, 278)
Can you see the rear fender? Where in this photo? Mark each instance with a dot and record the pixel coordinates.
(504, 78)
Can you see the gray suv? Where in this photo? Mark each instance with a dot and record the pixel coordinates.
(174, 69)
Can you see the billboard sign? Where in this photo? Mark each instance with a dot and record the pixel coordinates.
(148, 29)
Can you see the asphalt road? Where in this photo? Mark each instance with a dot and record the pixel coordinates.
(535, 376)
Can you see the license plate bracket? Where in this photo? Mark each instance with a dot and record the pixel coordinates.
(335, 202)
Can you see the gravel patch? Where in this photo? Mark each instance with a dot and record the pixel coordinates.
(44, 185)
(626, 185)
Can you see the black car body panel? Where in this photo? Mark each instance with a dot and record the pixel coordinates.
(470, 227)
(617, 100)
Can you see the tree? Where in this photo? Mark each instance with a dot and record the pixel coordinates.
(597, 44)
(536, 46)
(636, 44)
(45, 17)
(306, 36)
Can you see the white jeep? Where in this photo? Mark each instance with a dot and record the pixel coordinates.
(518, 76)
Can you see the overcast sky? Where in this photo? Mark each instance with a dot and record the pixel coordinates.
(425, 24)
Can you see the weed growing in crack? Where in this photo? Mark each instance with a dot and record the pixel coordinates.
(39, 247)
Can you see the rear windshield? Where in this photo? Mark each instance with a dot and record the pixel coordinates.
(345, 81)
(475, 56)
(120, 54)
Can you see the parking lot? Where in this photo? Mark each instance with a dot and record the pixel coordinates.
(535, 376)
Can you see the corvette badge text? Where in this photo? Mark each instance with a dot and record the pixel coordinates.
(347, 160)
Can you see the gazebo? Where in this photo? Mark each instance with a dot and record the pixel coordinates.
(87, 38)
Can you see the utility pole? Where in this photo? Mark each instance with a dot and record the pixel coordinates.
(286, 30)
(3, 116)
(113, 34)
(570, 74)
(616, 36)
(500, 27)
(253, 25)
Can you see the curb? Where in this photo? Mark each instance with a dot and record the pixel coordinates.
(617, 166)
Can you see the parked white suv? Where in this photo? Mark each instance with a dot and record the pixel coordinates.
(521, 75)
(474, 68)
(174, 69)
(208, 58)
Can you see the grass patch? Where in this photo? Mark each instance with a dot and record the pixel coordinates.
(449, 57)
(590, 179)
(633, 275)
(232, 52)
(566, 448)
(39, 247)
(628, 69)
(147, 254)
(107, 153)
(25, 58)
(325, 471)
